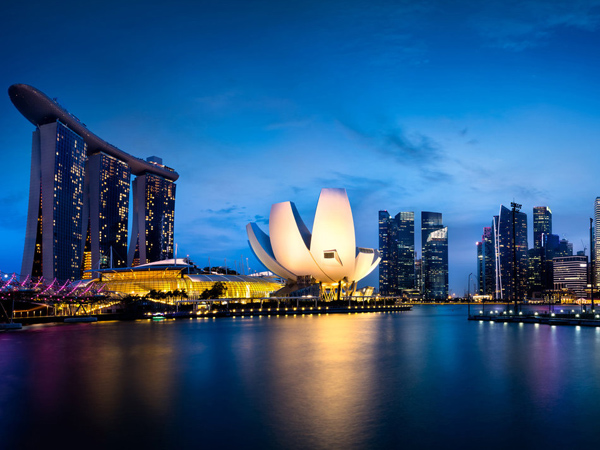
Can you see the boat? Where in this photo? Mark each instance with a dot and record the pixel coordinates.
(10, 325)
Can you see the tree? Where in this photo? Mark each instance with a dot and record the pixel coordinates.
(217, 290)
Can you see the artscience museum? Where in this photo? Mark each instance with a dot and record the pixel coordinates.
(327, 256)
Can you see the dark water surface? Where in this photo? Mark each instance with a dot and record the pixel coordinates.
(423, 379)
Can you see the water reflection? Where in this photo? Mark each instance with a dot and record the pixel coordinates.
(428, 378)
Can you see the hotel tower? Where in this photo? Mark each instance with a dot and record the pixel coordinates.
(79, 192)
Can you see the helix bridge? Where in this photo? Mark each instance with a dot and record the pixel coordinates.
(31, 296)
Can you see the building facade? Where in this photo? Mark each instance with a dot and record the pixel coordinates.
(397, 243)
(108, 180)
(511, 258)
(538, 263)
(542, 224)
(171, 275)
(153, 219)
(386, 252)
(571, 272)
(55, 216)
(485, 263)
(596, 243)
(434, 251)
(79, 196)
(489, 274)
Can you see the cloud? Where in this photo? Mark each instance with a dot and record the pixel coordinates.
(289, 124)
(229, 210)
(519, 25)
(261, 219)
(530, 193)
(414, 150)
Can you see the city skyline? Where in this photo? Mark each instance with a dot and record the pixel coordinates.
(410, 107)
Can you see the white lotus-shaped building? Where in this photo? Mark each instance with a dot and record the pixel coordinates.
(329, 255)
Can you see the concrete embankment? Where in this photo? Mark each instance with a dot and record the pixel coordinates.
(582, 319)
(282, 311)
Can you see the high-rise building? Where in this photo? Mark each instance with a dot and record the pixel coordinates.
(489, 273)
(511, 259)
(596, 244)
(397, 247)
(570, 272)
(542, 224)
(405, 242)
(485, 263)
(153, 220)
(480, 268)
(55, 217)
(109, 181)
(386, 251)
(419, 275)
(434, 251)
(79, 195)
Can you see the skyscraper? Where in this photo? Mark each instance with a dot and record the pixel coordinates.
(542, 224)
(386, 251)
(489, 273)
(397, 247)
(153, 220)
(480, 269)
(507, 266)
(55, 222)
(108, 184)
(596, 244)
(79, 195)
(434, 251)
(485, 263)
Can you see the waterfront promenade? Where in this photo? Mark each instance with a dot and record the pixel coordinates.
(236, 310)
(565, 315)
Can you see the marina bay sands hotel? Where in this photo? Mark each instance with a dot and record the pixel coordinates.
(79, 197)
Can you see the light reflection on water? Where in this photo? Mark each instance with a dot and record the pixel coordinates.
(421, 379)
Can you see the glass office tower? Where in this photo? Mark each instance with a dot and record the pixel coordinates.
(385, 222)
(436, 272)
(488, 262)
(542, 224)
(595, 262)
(507, 286)
(397, 248)
(434, 252)
(480, 269)
(405, 244)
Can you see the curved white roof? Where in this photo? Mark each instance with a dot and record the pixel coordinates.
(329, 254)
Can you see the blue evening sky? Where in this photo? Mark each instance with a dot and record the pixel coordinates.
(455, 107)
